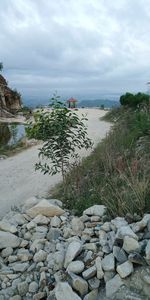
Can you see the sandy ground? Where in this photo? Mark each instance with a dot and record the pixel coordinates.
(18, 179)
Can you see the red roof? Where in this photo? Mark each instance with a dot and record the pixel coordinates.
(71, 100)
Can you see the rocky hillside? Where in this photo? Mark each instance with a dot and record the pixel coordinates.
(47, 253)
(10, 100)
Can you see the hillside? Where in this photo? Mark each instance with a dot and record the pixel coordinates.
(97, 103)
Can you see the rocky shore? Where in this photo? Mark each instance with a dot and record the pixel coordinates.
(47, 253)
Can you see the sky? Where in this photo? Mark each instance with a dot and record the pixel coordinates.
(80, 48)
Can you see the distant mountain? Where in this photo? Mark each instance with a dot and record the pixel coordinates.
(98, 103)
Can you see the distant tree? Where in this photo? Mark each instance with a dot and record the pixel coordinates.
(102, 106)
(1, 66)
(132, 100)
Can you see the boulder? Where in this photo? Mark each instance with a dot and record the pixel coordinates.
(125, 231)
(79, 284)
(89, 273)
(125, 269)
(113, 285)
(108, 262)
(45, 208)
(130, 244)
(73, 250)
(76, 267)
(95, 210)
(77, 225)
(6, 226)
(63, 291)
(8, 239)
(92, 295)
(98, 263)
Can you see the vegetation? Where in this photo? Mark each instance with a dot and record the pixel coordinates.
(117, 173)
(134, 100)
(63, 133)
(1, 66)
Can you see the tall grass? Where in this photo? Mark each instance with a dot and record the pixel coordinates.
(117, 173)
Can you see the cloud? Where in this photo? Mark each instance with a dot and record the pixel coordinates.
(82, 47)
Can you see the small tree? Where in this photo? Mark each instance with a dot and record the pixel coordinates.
(63, 133)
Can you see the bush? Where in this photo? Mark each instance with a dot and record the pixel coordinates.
(134, 100)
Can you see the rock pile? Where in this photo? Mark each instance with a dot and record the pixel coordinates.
(47, 253)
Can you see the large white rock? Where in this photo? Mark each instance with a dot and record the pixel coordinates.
(45, 208)
(8, 239)
(130, 244)
(113, 285)
(95, 210)
(73, 250)
(63, 291)
(126, 231)
(108, 262)
(77, 225)
(30, 202)
(125, 269)
(6, 226)
(41, 220)
(98, 263)
(139, 226)
(89, 273)
(147, 250)
(92, 295)
(76, 267)
(79, 284)
(119, 222)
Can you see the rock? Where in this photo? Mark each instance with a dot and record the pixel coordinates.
(76, 267)
(16, 297)
(90, 246)
(39, 296)
(45, 208)
(79, 284)
(8, 239)
(31, 225)
(136, 258)
(147, 251)
(95, 210)
(7, 252)
(141, 224)
(89, 273)
(120, 254)
(73, 250)
(130, 244)
(55, 222)
(20, 267)
(77, 225)
(63, 291)
(113, 285)
(24, 255)
(53, 234)
(108, 263)
(33, 287)
(41, 255)
(119, 222)
(19, 219)
(29, 203)
(125, 269)
(6, 226)
(92, 295)
(41, 220)
(109, 275)
(42, 281)
(98, 263)
(22, 288)
(94, 283)
(126, 231)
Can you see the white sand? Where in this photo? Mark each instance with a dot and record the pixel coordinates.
(18, 179)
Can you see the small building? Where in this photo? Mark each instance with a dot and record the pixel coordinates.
(71, 102)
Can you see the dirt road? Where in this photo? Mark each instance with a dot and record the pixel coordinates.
(18, 179)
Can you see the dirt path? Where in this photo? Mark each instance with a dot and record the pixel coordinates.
(18, 179)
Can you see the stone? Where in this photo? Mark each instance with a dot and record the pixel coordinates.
(55, 221)
(90, 246)
(95, 210)
(94, 283)
(77, 225)
(24, 255)
(8, 239)
(53, 234)
(119, 222)
(29, 203)
(19, 219)
(46, 209)
(109, 275)
(108, 262)
(89, 273)
(79, 284)
(130, 244)
(113, 285)
(22, 288)
(120, 254)
(41, 220)
(98, 264)
(20, 267)
(16, 297)
(147, 251)
(42, 281)
(76, 267)
(41, 255)
(6, 226)
(39, 296)
(136, 258)
(125, 269)
(139, 226)
(92, 295)
(31, 225)
(73, 250)
(126, 231)
(7, 252)
(63, 291)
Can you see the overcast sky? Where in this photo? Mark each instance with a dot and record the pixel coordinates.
(81, 48)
